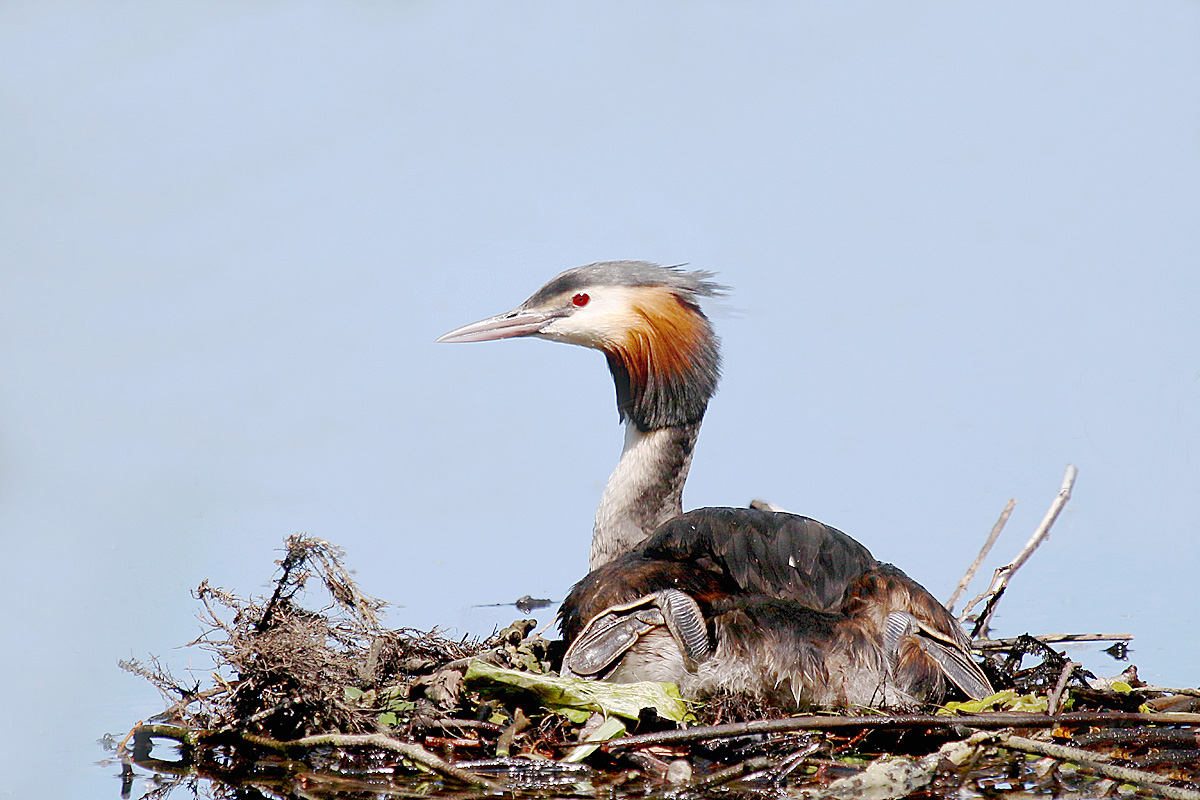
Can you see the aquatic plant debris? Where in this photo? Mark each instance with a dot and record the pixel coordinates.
(578, 699)
(329, 703)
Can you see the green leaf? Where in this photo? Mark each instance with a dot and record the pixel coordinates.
(576, 715)
(1006, 700)
(569, 696)
(610, 729)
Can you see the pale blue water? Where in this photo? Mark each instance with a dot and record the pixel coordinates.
(962, 244)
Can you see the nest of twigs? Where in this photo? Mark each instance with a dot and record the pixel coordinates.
(285, 671)
(329, 703)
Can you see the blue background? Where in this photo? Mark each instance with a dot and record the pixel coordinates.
(962, 241)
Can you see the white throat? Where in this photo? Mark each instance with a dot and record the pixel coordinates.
(644, 491)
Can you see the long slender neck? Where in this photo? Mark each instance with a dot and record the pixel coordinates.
(665, 367)
(645, 490)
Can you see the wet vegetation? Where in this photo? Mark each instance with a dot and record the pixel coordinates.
(329, 703)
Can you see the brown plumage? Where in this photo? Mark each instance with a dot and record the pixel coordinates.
(796, 612)
(769, 604)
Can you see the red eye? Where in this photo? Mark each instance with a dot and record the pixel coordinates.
(580, 300)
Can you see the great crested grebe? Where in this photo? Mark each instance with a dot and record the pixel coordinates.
(769, 604)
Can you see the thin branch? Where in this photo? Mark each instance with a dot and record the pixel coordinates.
(1164, 690)
(1180, 738)
(121, 751)
(723, 776)
(1000, 719)
(178, 733)
(1052, 704)
(1097, 763)
(983, 552)
(450, 723)
(1004, 644)
(797, 759)
(412, 752)
(1002, 575)
(1043, 530)
(985, 616)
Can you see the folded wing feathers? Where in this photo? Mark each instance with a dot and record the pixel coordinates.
(781, 555)
(793, 578)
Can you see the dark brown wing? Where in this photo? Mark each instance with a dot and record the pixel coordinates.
(792, 599)
(780, 555)
(627, 578)
(886, 589)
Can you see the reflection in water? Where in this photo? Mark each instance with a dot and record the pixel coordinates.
(524, 604)
(343, 776)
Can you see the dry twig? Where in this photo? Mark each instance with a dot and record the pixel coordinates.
(723, 776)
(1056, 696)
(1002, 575)
(1048, 638)
(410, 751)
(1096, 763)
(1000, 719)
(1164, 690)
(983, 553)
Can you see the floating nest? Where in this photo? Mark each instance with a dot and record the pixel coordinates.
(328, 703)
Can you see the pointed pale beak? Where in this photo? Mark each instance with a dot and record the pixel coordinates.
(519, 322)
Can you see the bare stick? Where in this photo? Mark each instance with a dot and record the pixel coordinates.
(451, 723)
(1096, 763)
(413, 752)
(1043, 530)
(983, 552)
(985, 616)
(1060, 688)
(1004, 644)
(999, 719)
(1164, 690)
(1002, 575)
(723, 776)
